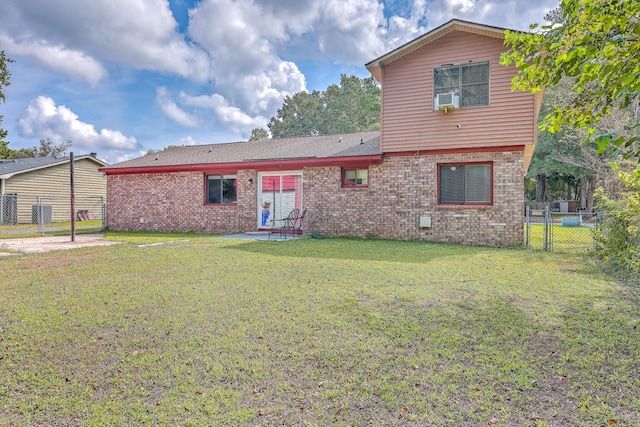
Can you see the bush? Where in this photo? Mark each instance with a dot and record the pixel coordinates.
(618, 237)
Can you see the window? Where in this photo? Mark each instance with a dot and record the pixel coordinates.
(355, 177)
(465, 184)
(469, 82)
(221, 189)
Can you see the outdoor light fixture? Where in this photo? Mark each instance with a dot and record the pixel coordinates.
(250, 181)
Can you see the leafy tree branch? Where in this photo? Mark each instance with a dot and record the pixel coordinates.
(597, 43)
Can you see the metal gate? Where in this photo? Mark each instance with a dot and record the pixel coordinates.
(560, 232)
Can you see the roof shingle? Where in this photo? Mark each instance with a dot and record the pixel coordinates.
(308, 147)
(11, 167)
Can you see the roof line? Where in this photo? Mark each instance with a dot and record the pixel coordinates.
(437, 32)
(279, 159)
(258, 165)
(48, 165)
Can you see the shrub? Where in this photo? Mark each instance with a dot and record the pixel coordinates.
(618, 237)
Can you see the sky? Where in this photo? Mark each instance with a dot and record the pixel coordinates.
(120, 77)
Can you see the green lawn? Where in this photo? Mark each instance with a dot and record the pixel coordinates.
(52, 229)
(206, 331)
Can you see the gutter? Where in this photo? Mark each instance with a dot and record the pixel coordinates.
(257, 165)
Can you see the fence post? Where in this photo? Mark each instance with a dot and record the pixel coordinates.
(527, 227)
(550, 240)
(39, 215)
(104, 213)
(546, 228)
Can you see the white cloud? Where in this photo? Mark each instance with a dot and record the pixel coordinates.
(187, 141)
(242, 38)
(239, 35)
(263, 92)
(247, 40)
(44, 119)
(515, 14)
(171, 110)
(231, 116)
(117, 156)
(139, 33)
(348, 32)
(241, 56)
(72, 62)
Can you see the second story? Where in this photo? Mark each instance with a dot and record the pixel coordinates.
(447, 90)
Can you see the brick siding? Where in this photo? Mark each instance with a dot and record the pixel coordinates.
(400, 191)
(174, 202)
(403, 189)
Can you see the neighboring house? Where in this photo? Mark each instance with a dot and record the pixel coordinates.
(23, 181)
(447, 165)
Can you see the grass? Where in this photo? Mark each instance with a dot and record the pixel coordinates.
(53, 229)
(207, 331)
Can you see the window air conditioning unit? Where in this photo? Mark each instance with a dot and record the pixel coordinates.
(447, 101)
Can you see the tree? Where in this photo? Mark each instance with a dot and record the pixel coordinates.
(258, 134)
(159, 150)
(5, 151)
(298, 116)
(596, 42)
(5, 80)
(562, 166)
(47, 148)
(351, 106)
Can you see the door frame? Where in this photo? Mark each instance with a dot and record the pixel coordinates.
(279, 174)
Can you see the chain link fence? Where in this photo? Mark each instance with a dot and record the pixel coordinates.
(560, 232)
(47, 215)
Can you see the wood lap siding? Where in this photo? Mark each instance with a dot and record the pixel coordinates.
(54, 181)
(409, 122)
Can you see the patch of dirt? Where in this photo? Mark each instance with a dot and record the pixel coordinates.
(34, 245)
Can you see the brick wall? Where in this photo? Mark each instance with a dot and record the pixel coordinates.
(400, 191)
(174, 202)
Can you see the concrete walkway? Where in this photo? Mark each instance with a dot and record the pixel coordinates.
(260, 235)
(31, 245)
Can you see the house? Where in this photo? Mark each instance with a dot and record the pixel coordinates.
(447, 165)
(25, 183)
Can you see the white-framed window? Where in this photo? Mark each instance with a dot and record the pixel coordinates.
(469, 82)
(355, 177)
